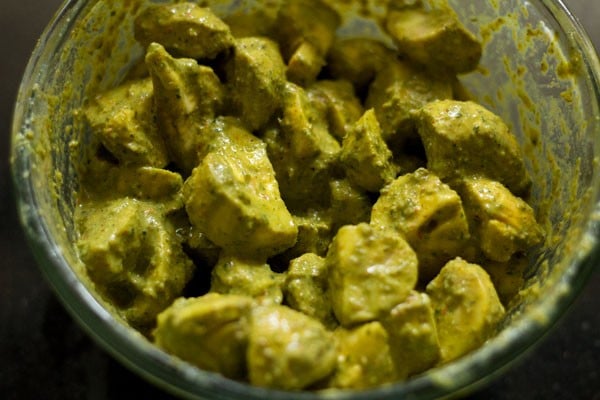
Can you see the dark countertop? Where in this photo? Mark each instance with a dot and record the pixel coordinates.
(44, 354)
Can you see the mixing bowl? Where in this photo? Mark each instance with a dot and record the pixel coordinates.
(539, 72)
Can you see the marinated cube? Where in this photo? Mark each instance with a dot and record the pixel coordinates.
(364, 358)
(413, 338)
(185, 29)
(466, 307)
(133, 256)
(287, 349)
(256, 79)
(186, 96)
(122, 120)
(435, 38)
(365, 156)
(306, 288)
(504, 224)
(305, 126)
(370, 272)
(148, 183)
(234, 198)
(428, 214)
(210, 332)
(254, 18)
(303, 153)
(463, 138)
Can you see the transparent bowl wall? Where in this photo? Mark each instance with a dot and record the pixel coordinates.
(539, 72)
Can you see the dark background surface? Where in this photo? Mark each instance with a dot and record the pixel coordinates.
(44, 354)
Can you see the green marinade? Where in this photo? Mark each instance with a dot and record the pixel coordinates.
(299, 210)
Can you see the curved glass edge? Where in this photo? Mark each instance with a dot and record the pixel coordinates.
(121, 342)
(154, 365)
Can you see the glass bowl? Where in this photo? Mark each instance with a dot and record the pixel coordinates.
(539, 72)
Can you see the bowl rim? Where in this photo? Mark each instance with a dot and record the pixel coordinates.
(161, 369)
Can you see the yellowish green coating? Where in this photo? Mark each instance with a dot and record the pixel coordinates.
(233, 197)
(502, 223)
(306, 288)
(210, 332)
(463, 138)
(364, 358)
(122, 119)
(185, 29)
(365, 156)
(434, 38)
(233, 275)
(305, 127)
(311, 21)
(338, 101)
(413, 337)
(304, 65)
(315, 229)
(358, 60)
(256, 78)
(508, 277)
(399, 89)
(288, 349)
(303, 152)
(186, 95)
(428, 214)
(254, 18)
(370, 271)
(240, 202)
(111, 182)
(133, 256)
(466, 307)
(349, 204)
